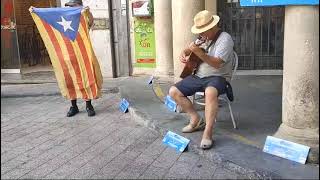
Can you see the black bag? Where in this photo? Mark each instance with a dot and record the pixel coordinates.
(229, 91)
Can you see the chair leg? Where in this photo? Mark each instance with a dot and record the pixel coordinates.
(231, 114)
(194, 96)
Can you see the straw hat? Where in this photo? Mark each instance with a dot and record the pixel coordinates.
(204, 21)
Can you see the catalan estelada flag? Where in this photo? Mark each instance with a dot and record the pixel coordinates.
(65, 34)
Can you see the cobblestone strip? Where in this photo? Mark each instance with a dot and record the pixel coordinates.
(22, 159)
(77, 142)
(161, 165)
(72, 166)
(79, 153)
(143, 161)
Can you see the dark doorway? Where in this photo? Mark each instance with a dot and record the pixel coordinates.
(33, 54)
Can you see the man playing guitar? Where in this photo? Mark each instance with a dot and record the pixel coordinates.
(214, 69)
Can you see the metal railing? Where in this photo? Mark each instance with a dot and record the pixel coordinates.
(257, 33)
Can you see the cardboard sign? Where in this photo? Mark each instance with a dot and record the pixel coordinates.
(176, 141)
(124, 105)
(170, 103)
(286, 149)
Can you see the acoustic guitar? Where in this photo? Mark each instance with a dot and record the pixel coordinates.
(193, 61)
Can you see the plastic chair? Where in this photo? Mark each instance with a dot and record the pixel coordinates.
(222, 97)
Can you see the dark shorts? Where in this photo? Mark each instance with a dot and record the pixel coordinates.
(192, 84)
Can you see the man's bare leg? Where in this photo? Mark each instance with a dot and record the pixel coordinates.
(186, 105)
(211, 108)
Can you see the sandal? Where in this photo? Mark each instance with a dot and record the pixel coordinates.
(206, 143)
(189, 128)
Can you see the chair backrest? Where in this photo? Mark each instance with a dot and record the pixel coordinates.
(234, 64)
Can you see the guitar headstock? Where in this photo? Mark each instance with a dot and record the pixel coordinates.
(200, 40)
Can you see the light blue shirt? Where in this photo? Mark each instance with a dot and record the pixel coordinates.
(222, 48)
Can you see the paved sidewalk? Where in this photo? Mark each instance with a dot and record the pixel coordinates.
(33, 112)
(39, 141)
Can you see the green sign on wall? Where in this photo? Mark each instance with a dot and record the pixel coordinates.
(145, 51)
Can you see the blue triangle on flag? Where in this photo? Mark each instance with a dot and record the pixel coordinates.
(65, 20)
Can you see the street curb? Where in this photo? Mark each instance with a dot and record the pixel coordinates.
(111, 90)
(143, 119)
(44, 81)
(27, 81)
(28, 95)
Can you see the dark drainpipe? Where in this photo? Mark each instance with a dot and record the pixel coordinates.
(113, 58)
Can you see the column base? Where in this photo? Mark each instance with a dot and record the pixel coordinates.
(308, 137)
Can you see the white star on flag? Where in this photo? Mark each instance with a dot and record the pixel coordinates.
(66, 24)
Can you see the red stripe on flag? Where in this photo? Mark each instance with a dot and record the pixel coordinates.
(68, 79)
(84, 24)
(91, 76)
(75, 65)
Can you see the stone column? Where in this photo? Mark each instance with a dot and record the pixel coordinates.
(211, 5)
(183, 12)
(163, 36)
(300, 99)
